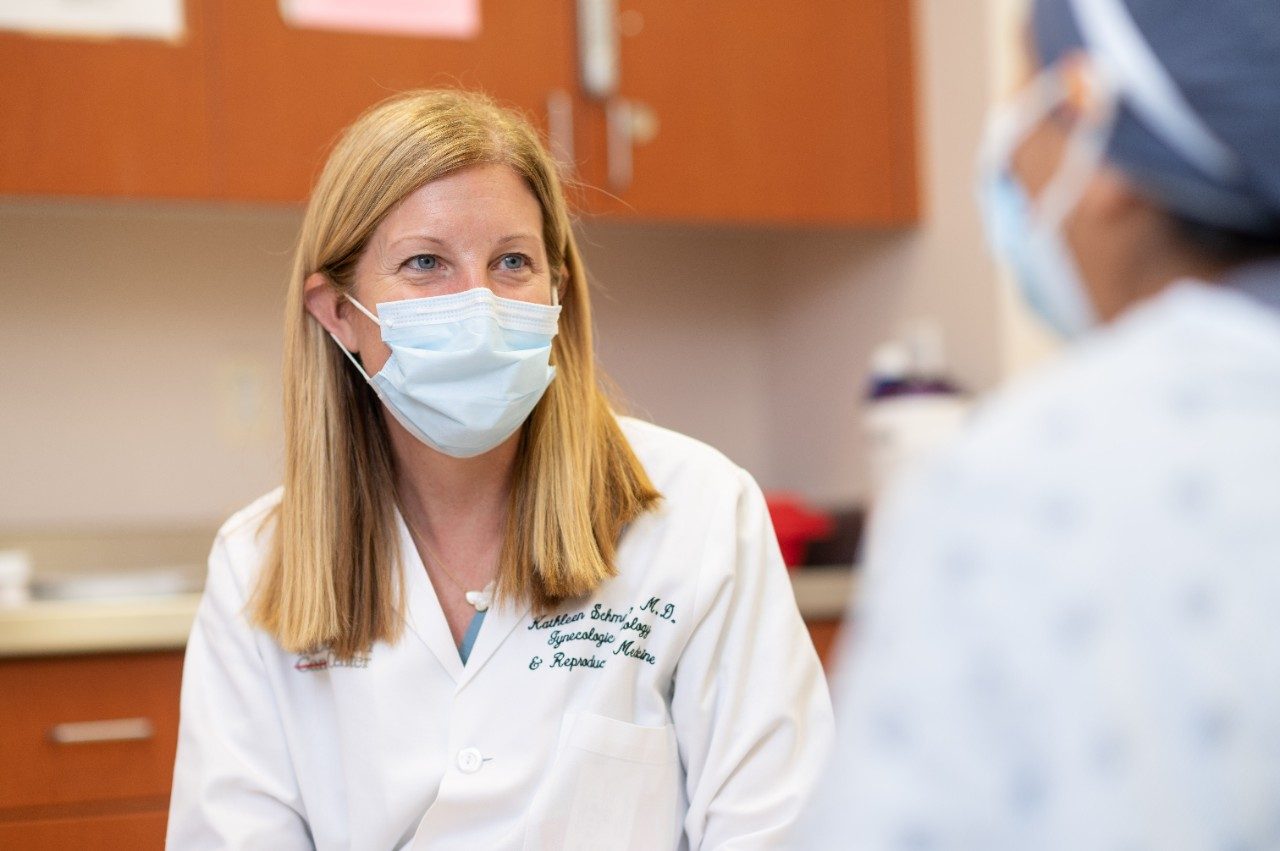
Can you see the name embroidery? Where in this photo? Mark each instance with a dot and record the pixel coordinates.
(625, 628)
(311, 662)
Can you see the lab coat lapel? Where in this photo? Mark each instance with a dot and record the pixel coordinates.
(498, 624)
(425, 616)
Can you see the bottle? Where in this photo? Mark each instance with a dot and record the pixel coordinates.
(913, 407)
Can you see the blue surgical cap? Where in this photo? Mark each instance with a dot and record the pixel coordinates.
(1223, 57)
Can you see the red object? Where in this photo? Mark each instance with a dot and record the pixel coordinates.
(797, 525)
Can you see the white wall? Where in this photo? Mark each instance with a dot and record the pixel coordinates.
(680, 329)
(130, 336)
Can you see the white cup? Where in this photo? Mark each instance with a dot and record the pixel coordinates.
(15, 577)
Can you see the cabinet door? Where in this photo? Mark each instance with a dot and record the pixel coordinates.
(79, 730)
(120, 117)
(112, 832)
(776, 112)
(282, 94)
(824, 634)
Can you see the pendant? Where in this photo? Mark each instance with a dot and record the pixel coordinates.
(481, 600)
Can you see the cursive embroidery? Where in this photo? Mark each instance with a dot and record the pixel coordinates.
(324, 660)
(610, 625)
(558, 620)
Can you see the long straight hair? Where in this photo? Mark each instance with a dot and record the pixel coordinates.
(332, 577)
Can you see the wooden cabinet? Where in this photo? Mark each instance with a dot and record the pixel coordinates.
(765, 112)
(282, 94)
(824, 634)
(88, 750)
(776, 112)
(245, 108)
(124, 117)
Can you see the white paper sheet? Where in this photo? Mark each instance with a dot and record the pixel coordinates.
(432, 18)
(160, 19)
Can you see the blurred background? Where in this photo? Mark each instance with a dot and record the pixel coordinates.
(769, 194)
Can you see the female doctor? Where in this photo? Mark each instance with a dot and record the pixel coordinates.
(483, 612)
(1068, 638)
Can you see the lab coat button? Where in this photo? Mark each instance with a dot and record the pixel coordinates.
(469, 760)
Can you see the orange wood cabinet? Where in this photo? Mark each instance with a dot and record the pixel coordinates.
(765, 112)
(70, 781)
(282, 94)
(245, 108)
(782, 112)
(125, 117)
(824, 635)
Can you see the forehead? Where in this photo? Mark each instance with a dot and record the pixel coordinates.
(477, 201)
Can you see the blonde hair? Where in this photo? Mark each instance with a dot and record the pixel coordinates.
(332, 574)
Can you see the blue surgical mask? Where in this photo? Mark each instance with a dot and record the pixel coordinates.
(1037, 255)
(1027, 234)
(466, 370)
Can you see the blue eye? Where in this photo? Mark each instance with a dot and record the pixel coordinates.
(513, 262)
(423, 262)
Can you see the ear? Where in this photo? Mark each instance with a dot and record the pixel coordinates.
(330, 309)
(560, 284)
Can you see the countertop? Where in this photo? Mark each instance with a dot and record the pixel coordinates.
(48, 627)
(51, 627)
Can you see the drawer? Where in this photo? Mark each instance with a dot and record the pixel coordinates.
(142, 831)
(56, 750)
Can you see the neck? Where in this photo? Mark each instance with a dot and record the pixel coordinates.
(1144, 268)
(454, 501)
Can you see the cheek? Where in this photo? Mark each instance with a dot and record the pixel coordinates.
(1037, 160)
(373, 352)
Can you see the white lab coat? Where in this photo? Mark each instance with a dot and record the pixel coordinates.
(1069, 635)
(682, 706)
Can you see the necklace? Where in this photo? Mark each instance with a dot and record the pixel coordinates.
(479, 600)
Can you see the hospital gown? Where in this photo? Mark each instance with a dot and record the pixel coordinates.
(1069, 635)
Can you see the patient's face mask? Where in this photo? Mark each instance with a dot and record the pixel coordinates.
(466, 369)
(1027, 232)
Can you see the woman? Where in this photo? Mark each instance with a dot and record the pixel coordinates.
(483, 611)
(1068, 637)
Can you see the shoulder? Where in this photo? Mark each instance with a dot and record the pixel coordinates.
(711, 529)
(1117, 452)
(678, 464)
(241, 544)
(1130, 394)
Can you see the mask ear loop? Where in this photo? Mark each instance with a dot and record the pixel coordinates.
(363, 309)
(1011, 123)
(1085, 150)
(355, 362)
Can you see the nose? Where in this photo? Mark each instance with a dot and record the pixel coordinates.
(471, 275)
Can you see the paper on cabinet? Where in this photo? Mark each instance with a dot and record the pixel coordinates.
(158, 19)
(432, 18)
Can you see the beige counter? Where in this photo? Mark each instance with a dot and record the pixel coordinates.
(823, 593)
(162, 623)
(46, 627)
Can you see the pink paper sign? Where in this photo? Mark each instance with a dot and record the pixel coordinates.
(437, 18)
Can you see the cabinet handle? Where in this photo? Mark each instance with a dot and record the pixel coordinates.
(88, 732)
(627, 123)
(560, 129)
(598, 47)
(618, 143)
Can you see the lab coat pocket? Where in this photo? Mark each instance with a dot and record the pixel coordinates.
(615, 785)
